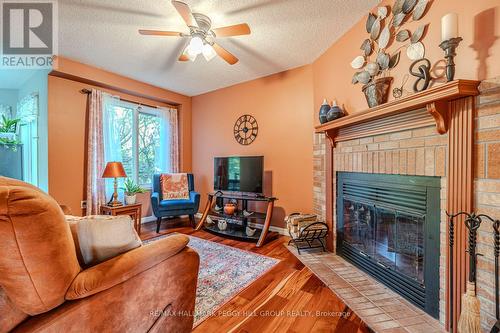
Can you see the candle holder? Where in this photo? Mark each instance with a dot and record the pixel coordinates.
(449, 47)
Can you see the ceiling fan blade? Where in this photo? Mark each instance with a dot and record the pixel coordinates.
(232, 30)
(224, 54)
(183, 56)
(159, 33)
(184, 11)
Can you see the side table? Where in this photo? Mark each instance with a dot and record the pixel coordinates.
(134, 211)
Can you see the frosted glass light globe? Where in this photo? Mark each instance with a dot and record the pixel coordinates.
(208, 52)
(196, 45)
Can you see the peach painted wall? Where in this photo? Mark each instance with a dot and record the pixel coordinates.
(479, 23)
(66, 121)
(281, 103)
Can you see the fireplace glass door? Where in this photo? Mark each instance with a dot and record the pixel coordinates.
(393, 239)
(388, 225)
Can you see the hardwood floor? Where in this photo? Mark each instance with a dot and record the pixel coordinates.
(288, 298)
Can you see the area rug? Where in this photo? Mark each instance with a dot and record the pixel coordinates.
(224, 272)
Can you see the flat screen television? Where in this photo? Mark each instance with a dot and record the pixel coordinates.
(239, 174)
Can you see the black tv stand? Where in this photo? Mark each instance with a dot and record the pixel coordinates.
(238, 230)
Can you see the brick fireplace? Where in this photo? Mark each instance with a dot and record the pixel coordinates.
(419, 151)
(384, 146)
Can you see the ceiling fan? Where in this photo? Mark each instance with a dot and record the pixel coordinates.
(202, 35)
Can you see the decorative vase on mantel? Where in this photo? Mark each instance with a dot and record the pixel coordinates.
(335, 112)
(377, 91)
(323, 111)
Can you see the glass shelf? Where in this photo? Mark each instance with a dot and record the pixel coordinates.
(233, 230)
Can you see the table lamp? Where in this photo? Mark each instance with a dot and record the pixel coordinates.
(114, 170)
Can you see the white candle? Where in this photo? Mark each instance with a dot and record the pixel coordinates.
(449, 26)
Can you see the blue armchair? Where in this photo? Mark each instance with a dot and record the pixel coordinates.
(171, 208)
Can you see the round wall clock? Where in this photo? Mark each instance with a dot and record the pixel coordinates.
(246, 129)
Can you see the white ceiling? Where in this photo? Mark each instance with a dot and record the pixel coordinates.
(285, 34)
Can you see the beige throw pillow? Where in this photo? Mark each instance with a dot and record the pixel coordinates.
(101, 237)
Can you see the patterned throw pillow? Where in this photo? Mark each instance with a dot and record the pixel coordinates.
(174, 186)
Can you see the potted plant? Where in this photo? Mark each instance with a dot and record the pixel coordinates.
(384, 27)
(131, 189)
(8, 132)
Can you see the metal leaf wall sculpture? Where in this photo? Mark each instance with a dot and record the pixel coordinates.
(402, 35)
(419, 10)
(384, 27)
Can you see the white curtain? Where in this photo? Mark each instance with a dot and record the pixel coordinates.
(95, 153)
(27, 108)
(6, 111)
(113, 122)
(169, 135)
(27, 112)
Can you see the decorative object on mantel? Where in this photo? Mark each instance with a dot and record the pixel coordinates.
(383, 29)
(323, 111)
(246, 129)
(377, 92)
(449, 42)
(469, 321)
(335, 112)
(398, 92)
(423, 74)
(434, 99)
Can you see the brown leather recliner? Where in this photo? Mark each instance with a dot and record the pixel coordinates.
(44, 289)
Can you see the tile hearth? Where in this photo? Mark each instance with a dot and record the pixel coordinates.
(379, 307)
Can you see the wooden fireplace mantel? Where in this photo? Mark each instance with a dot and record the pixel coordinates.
(450, 107)
(434, 100)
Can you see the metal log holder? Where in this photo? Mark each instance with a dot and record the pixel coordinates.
(310, 237)
(472, 223)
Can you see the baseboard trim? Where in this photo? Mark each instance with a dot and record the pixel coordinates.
(147, 219)
(281, 231)
(151, 218)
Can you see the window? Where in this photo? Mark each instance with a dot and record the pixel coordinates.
(139, 137)
(149, 146)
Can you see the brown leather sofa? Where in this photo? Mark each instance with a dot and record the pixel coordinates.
(43, 288)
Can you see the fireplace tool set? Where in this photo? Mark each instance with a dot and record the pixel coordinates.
(469, 321)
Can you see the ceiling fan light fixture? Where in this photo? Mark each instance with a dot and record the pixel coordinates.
(196, 44)
(208, 52)
(200, 28)
(191, 55)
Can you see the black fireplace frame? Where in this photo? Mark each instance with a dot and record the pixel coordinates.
(424, 296)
